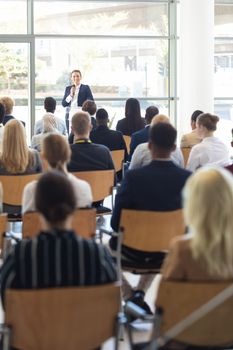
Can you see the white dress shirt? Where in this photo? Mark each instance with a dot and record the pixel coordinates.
(82, 191)
(74, 99)
(211, 151)
(142, 156)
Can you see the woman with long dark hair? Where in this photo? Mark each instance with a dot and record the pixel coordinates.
(133, 120)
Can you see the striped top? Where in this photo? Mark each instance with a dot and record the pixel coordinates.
(56, 259)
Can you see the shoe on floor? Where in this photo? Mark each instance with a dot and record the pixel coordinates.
(138, 299)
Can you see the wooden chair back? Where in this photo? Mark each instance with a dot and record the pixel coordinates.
(150, 231)
(13, 186)
(118, 157)
(101, 182)
(62, 318)
(179, 299)
(186, 151)
(83, 222)
(3, 228)
(127, 142)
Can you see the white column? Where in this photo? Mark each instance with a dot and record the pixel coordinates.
(195, 60)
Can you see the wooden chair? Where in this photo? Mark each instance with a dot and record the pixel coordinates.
(13, 186)
(3, 229)
(179, 300)
(127, 142)
(62, 318)
(186, 151)
(148, 231)
(118, 157)
(84, 223)
(101, 182)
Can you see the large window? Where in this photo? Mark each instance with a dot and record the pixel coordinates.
(123, 48)
(223, 66)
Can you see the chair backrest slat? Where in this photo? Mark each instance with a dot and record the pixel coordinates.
(118, 158)
(149, 230)
(180, 299)
(186, 151)
(61, 318)
(127, 142)
(83, 223)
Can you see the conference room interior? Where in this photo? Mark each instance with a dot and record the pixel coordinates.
(175, 55)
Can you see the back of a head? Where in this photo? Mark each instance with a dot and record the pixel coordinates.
(2, 112)
(132, 109)
(54, 197)
(49, 123)
(56, 151)
(151, 112)
(15, 152)
(209, 121)
(195, 115)
(163, 136)
(8, 103)
(50, 104)
(102, 116)
(81, 123)
(160, 118)
(208, 207)
(90, 107)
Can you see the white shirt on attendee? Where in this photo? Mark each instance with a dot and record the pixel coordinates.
(142, 156)
(82, 191)
(211, 151)
(61, 126)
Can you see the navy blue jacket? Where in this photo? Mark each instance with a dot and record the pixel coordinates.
(156, 187)
(139, 137)
(83, 95)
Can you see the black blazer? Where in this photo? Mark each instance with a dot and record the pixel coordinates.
(90, 156)
(155, 187)
(112, 139)
(83, 95)
(127, 129)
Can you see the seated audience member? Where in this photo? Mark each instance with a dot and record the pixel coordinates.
(211, 151)
(207, 252)
(90, 107)
(154, 187)
(55, 155)
(112, 139)
(133, 120)
(142, 136)
(8, 103)
(230, 166)
(56, 202)
(142, 155)
(49, 125)
(50, 107)
(86, 155)
(16, 158)
(191, 139)
(2, 115)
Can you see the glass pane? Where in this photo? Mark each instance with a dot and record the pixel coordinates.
(109, 17)
(113, 68)
(223, 67)
(13, 17)
(224, 109)
(14, 78)
(224, 20)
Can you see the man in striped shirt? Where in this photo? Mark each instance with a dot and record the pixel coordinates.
(56, 257)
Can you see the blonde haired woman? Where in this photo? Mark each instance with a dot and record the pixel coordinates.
(55, 155)
(207, 253)
(211, 151)
(16, 157)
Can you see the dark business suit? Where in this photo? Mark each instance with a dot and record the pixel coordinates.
(154, 187)
(139, 137)
(83, 95)
(112, 139)
(124, 126)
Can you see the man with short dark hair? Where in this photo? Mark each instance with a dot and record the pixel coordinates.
(154, 187)
(191, 139)
(142, 136)
(112, 139)
(50, 107)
